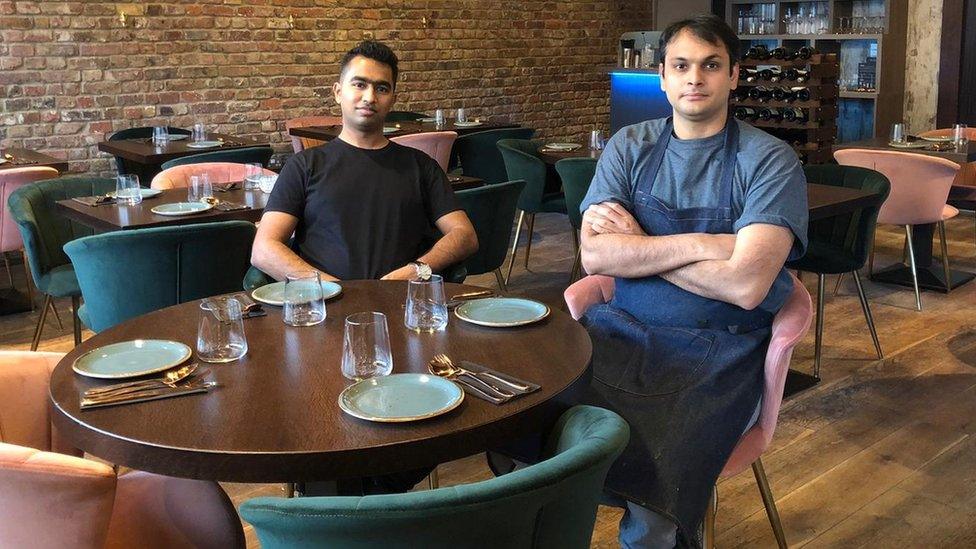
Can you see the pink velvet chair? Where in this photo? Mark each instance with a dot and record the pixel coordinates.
(789, 326)
(919, 189)
(302, 143)
(220, 172)
(10, 240)
(437, 145)
(52, 497)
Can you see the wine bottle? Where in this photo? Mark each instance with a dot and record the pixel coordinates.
(770, 115)
(751, 75)
(780, 93)
(801, 75)
(781, 53)
(806, 52)
(803, 157)
(775, 75)
(759, 93)
(766, 74)
(800, 116)
(745, 113)
(789, 115)
(759, 52)
(801, 94)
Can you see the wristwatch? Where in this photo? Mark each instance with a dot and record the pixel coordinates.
(423, 270)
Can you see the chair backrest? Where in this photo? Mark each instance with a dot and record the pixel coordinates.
(178, 177)
(479, 157)
(967, 172)
(437, 145)
(522, 162)
(549, 504)
(919, 184)
(299, 144)
(25, 417)
(44, 230)
(247, 155)
(401, 116)
(852, 232)
(11, 180)
(491, 209)
(158, 267)
(789, 326)
(576, 175)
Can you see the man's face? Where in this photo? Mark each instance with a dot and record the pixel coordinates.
(695, 76)
(365, 93)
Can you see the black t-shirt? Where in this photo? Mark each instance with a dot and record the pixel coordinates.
(361, 212)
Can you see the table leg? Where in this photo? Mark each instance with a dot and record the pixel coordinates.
(929, 276)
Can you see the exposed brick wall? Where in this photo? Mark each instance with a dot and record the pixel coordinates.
(70, 73)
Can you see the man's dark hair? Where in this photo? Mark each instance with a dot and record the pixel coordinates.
(371, 49)
(709, 28)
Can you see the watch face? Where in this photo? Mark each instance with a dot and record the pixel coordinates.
(423, 270)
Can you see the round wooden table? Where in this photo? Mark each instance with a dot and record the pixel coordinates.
(275, 418)
(550, 156)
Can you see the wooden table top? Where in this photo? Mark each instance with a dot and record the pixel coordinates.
(144, 152)
(25, 158)
(827, 200)
(881, 144)
(112, 217)
(275, 417)
(328, 133)
(550, 156)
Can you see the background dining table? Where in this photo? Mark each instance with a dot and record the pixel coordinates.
(14, 157)
(328, 133)
(274, 416)
(959, 156)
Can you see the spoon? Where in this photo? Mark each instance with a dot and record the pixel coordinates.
(443, 366)
(170, 378)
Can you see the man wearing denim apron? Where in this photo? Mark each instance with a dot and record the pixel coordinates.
(694, 216)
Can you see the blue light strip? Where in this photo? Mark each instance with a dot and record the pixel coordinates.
(638, 74)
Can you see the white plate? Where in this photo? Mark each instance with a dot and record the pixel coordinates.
(274, 293)
(429, 120)
(562, 146)
(182, 208)
(909, 145)
(502, 312)
(178, 136)
(938, 138)
(204, 144)
(467, 124)
(146, 193)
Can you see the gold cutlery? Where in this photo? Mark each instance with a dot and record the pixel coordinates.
(442, 365)
(146, 395)
(170, 378)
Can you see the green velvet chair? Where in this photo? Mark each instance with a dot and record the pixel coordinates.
(478, 155)
(145, 132)
(491, 209)
(248, 155)
(841, 244)
(576, 175)
(548, 505)
(45, 231)
(125, 274)
(404, 116)
(522, 161)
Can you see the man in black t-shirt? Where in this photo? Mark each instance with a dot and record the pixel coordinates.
(362, 206)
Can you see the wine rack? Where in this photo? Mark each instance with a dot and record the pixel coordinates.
(794, 99)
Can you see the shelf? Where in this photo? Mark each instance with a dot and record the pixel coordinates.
(846, 94)
(751, 37)
(812, 104)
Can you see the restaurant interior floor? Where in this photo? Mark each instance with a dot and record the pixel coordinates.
(882, 453)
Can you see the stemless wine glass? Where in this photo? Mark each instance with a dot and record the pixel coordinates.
(200, 188)
(426, 309)
(460, 116)
(160, 136)
(220, 334)
(198, 133)
(304, 301)
(439, 117)
(960, 137)
(252, 176)
(366, 346)
(127, 190)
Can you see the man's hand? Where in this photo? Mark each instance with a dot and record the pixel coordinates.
(612, 218)
(407, 272)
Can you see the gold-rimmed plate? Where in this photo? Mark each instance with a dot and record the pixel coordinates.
(502, 312)
(399, 398)
(131, 358)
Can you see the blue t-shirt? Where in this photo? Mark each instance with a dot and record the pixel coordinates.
(768, 185)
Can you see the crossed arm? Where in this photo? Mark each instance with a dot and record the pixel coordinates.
(272, 255)
(737, 269)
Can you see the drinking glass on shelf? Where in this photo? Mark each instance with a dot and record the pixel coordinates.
(252, 176)
(220, 333)
(160, 136)
(898, 133)
(426, 308)
(304, 300)
(127, 190)
(366, 346)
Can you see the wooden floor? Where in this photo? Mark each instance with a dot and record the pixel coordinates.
(880, 454)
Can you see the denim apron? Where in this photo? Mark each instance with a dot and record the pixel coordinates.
(685, 371)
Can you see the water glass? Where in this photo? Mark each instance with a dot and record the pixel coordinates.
(252, 176)
(960, 136)
(200, 188)
(220, 334)
(198, 133)
(426, 309)
(460, 116)
(439, 117)
(304, 302)
(127, 191)
(596, 140)
(160, 136)
(898, 133)
(267, 182)
(366, 346)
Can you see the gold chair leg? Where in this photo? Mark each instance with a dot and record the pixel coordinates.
(867, 314)
(818, 343)
(10, 273)
(500, 280)
(57, 316)
(40, 323)
(769, 503)
(911, 263)
(871, 260)
(708, 529)
(76, 322)
(518, 232)
(528, 245)
(840, 278)
(433, 480)
(575, 272)
(945, 256)
(30, 280)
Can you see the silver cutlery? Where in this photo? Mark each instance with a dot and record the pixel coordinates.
(146, 395)
(487, 396)
(515, 386)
